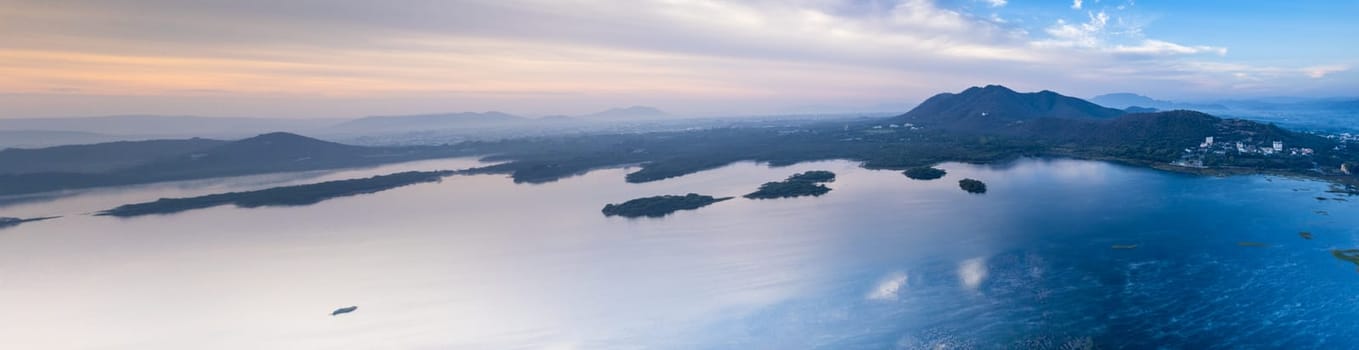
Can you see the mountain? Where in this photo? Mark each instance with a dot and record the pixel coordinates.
(994, 106)
(96, 158)
(634, 113)
(424, 122)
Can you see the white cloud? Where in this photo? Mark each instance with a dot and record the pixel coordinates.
(889, 287)
(1152, 47)
(1317, 72)
(972, 272)
(670, 53)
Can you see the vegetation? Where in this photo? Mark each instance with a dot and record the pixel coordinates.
(972, 186)
(798, 185)
(128, 163)
(279, 196)
(816, 176)
(659, 206)
(1349, 255)
(951, 127)
(6, 222)
(924, 173)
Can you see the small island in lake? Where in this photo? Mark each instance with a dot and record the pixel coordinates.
(972, 186)
(1305, 235)
(925, 173)
(343, 310)
(659, 206)
(279, 196)
(10, 222)
(798, 185)
(1350, 255)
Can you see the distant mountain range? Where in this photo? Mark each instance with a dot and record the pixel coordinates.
(1125, 100)
(159, 125)
(405, 123)
(977, 124)
(133, 162)
(47, 132)
(634, 113)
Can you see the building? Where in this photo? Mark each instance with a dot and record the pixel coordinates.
(1207, 142)
(1278, 146)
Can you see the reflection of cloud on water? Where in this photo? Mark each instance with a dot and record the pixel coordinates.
(972, 272)
(889, 287)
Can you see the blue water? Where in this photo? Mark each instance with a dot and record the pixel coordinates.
(881, 262)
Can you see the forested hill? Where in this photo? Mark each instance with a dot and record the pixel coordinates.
(994, 106)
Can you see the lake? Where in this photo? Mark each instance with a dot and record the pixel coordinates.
(882, 261)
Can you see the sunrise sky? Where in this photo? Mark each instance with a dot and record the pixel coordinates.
(348, 58)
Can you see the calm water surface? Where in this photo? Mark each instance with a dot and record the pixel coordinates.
(882, 261)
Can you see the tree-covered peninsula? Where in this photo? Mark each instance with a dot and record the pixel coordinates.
(279, 196)
(6, 222)
(798, 185)
(659, 206)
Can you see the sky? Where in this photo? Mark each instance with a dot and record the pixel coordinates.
(351, 58)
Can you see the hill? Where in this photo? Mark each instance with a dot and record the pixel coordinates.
(634, 113)
(73, 167)
(96, 158)
(995, 106)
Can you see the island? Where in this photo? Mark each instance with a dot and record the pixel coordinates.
(6, 222)
(658, 206)
(1349, 255)
(343, 310)
(815, 176)
(279, 196)
(797, 185)
(924, 173)
(972, 186)
(1305, 235)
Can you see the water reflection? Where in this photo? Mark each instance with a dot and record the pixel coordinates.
(879, 262)
(972, 272)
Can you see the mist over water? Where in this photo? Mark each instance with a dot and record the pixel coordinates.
(881, 261)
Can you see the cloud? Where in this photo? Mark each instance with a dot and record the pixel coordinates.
(539, 56)
(1152, 47)
(1317, 72)
(1076, 4)
(972, 272)
(889, 287)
